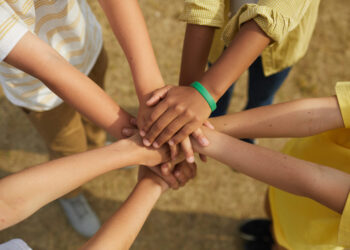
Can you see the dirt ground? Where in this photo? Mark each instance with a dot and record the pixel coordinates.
(205, 214)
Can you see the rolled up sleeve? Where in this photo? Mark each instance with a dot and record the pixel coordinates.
(204, 12)
(275, 18)
(12, 29)
(343, 95)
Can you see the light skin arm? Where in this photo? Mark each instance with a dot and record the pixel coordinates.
(21, 194)
(183, 110)
(120, 231)
(325, 185)
(35, 57)
(299, 118)
(128, 25)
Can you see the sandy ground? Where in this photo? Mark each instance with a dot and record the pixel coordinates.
(205, 214)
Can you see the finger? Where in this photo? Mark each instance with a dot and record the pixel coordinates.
(186, 168)
(187, 149)
(203, 158)
(169, 178)
(173, 151)
(208, 124)
(184, 132)
(166, 168)
(162, 123)
(172, 129)
(199, 136)
(157, 95)
(133, 121)
(180, 177)
(154, 116)
(127, 132)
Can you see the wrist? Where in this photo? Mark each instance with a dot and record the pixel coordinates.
(205, 94)
(153, 187)
(145, 92)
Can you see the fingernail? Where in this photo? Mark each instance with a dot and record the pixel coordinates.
(190, 159)
(204, 141)
(155, 144)
(142, 133)
(171, 142)
(146, 142)
(126, 131)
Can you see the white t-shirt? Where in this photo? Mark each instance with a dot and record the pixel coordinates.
(15, 244)
(69, 26)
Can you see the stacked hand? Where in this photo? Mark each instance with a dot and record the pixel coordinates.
(175, 173)
(176, 113)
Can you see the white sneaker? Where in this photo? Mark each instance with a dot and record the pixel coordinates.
(80, 215)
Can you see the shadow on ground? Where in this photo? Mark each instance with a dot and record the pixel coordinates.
(163, 229)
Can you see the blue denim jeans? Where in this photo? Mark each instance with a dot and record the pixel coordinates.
(261, 89)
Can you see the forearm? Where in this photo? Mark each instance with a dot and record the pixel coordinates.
(23, 193)
(195, 52)
(120, 231)
(128, 24)
(38, 59)
(328, 186)
(242, 52)
(300, 118)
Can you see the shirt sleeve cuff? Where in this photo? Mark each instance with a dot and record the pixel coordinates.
(208, 13)
(273, 23)
(343, 94)
(344, 227)
(9, 40)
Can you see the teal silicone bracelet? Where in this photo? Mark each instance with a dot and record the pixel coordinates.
(204, 92)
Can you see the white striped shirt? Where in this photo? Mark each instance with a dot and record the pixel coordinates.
(69, 26)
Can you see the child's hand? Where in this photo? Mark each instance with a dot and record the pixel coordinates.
(146, 173)
(186, 146)
(181, 112)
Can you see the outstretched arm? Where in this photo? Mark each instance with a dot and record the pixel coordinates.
(128, 25)
(299, 118)
(35, 57)
(183, 109)
(120, 231)
(325, 185)
(22, 193)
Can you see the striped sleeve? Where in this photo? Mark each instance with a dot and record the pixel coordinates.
(343, 95)
(204, 12)
(11, 29)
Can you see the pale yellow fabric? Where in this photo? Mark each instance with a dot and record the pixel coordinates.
(343, 93)
(68, 26)
(303, 224)
(289, 23)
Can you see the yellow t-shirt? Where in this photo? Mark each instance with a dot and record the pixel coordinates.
(289, 23)
(301, 223)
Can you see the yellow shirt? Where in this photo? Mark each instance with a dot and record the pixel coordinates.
(301, 223)
(289, 23)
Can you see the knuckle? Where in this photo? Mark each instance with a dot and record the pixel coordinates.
(153, 117)
(188, 113)
(178, 108)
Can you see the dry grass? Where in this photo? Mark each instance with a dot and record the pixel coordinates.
(205, 214)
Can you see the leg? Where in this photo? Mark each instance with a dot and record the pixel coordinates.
(64, 134)
(262, 89)
(224, 102)
(96, 137)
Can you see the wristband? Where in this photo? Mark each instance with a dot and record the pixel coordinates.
(206, 95)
